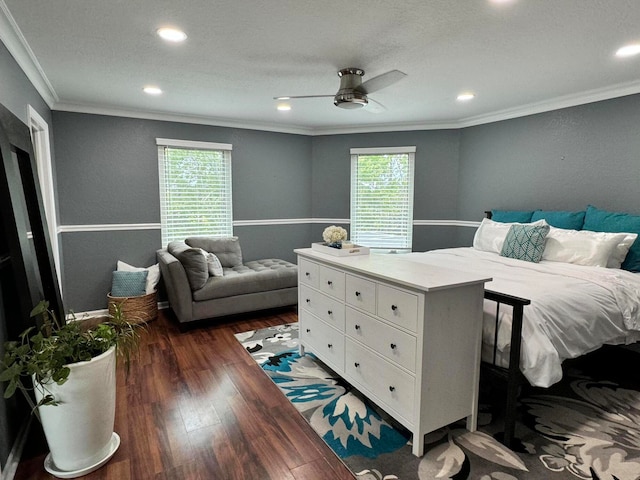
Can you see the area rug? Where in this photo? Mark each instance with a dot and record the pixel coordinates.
(583, 427)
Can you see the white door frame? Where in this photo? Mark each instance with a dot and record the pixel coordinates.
(39, 130)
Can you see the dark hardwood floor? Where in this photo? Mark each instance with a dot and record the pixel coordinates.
(196, 406)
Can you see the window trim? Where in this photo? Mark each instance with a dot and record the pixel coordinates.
(410, 151)
(164, 143)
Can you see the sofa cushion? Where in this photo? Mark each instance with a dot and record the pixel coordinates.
(256, 276)
(193, 261)
(227, 249)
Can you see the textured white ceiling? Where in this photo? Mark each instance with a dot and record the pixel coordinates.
(518, 57)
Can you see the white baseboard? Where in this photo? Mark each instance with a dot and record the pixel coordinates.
(102, 313)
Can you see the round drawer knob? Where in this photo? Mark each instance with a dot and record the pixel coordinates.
(329, 282)
(307, 274)
(308, 300)
(393, 346)
(329, 312)
(394, 307)
(357, 294)
(357, 327)
(329, 345)
(392, 388)
(356, 364)
(308, 330)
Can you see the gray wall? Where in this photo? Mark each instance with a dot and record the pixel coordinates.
(107, 171)
(436, 179)
(563, 160)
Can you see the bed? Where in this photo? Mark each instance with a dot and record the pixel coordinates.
(581, 292)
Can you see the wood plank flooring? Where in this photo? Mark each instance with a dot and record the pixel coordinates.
(195, 406)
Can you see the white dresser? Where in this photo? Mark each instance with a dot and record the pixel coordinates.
(405, 334)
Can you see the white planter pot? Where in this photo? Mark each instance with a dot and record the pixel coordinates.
(79, 430)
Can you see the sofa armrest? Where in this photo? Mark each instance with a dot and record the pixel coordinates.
(177, 285)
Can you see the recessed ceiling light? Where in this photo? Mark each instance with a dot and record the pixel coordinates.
(172, 34)
(629, 50)
(152, 90)
(284, 107)
(464, 97)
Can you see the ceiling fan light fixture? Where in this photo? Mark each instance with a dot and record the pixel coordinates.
(350, 100)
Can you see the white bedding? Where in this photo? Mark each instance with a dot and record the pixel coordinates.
(574, 309)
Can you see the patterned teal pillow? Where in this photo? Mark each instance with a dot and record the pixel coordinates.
(525, 242)
(129, 284)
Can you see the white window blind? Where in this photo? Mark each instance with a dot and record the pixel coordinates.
(382, 197)
(195, 189)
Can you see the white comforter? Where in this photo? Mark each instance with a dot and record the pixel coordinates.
(574, 309)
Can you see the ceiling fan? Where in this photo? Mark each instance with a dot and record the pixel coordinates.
(353, 92)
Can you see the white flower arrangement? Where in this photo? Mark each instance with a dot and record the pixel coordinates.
(334, 234)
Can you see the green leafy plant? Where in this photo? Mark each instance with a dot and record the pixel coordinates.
(43, 353)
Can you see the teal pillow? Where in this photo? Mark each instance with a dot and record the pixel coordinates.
(560, 219)
(615, 222)
(129, 284)
(511, 216)
(525, 242)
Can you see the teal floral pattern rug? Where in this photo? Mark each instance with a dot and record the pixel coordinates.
(581, 428)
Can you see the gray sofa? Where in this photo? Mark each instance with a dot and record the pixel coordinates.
(195, 294)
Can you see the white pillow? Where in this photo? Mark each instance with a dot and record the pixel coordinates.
(215, 267)
(490, 234)
(153, 277)
(582, 247)
(620, 252)
(213, 263)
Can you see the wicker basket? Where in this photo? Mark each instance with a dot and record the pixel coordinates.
(143, 308)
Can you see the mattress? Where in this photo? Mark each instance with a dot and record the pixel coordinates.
(574, 309)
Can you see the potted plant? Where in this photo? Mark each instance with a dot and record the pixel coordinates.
(69, 367)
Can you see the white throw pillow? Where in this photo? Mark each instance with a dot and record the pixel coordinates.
(213, 264)
(620, 252)
(582, 247)
(490, 235)
(153, 277)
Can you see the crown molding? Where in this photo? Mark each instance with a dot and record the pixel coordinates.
(179, 118)
(566, 101)
(591, 96)
(14, 40)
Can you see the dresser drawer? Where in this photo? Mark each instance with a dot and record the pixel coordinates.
(398, 307)
(391, 343)
(332, 282)
(360, 293)
(385, 381)
(326, 342)
(308, 272)
(329, 309)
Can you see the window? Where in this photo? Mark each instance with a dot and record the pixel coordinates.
(195, 189)
(382, 197)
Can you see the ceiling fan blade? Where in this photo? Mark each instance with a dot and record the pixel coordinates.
(381, 81)
(289, 97)
(374, 106)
